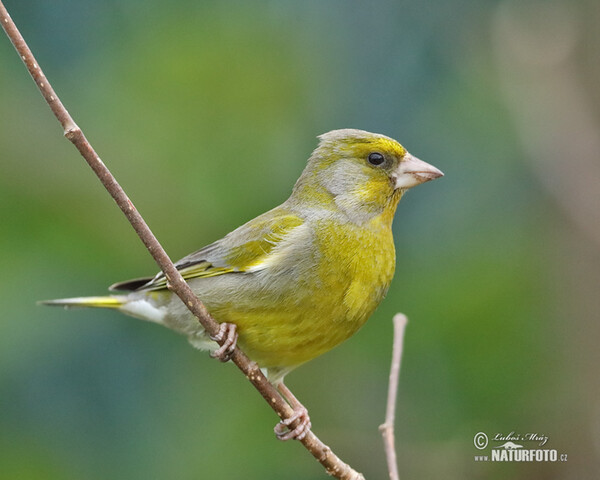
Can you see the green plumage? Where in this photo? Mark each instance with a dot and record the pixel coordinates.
(303, 277)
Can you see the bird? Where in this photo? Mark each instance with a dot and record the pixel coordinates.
(300, 279)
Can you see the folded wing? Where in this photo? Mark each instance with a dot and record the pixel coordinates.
(247, 249)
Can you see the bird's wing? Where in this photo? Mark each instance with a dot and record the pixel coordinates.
(244, 250)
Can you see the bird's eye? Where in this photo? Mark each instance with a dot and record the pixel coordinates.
(376, 158)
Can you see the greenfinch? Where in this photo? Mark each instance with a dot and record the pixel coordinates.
(301, 278)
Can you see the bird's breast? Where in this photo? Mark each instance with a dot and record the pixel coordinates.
(356, 268)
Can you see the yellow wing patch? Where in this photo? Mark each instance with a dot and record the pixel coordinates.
(197, 270)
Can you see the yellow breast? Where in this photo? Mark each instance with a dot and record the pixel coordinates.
(358, 264)
(353, 271)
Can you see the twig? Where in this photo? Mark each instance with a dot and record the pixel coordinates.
(175, 282)
(387, 428)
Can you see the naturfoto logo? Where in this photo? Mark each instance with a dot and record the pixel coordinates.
(511, 451)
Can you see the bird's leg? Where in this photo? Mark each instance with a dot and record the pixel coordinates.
(227, 332)
(282, 429)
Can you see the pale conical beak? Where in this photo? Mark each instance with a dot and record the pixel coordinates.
(411, 172)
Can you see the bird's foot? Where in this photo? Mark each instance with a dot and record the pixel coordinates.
(228, 335)
(283, 429)
(284, 432)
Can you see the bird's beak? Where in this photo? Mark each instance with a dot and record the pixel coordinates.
(411, 172)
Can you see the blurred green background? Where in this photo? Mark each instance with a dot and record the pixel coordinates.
(206, 112)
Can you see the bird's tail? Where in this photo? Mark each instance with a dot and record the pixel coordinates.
(111, 301)
(143, 307)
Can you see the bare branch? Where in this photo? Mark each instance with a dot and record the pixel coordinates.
(387, 428)
(175, 282)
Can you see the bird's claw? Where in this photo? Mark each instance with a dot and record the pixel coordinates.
(228, 335)
(284, 432)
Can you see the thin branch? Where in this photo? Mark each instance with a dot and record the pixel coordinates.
(175, 282)
(387, 428)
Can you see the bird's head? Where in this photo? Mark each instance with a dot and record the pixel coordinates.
(360, 173)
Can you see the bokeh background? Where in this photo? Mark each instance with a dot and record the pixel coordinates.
(206, 112)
